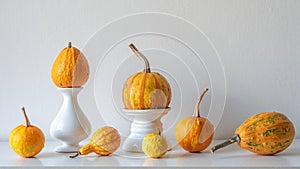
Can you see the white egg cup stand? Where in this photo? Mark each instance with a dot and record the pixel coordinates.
(70, 126)
(143, 122)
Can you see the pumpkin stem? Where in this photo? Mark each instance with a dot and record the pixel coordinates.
(27, 123)
(235, 138)
(197, 110)
(159, 132)
(142, 57)
(73, 156)
(69, 44)
(84, 150)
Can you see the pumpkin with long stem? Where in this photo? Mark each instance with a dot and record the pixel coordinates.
(146, 90)
(194, 134)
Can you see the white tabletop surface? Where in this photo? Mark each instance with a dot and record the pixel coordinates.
(232, 156)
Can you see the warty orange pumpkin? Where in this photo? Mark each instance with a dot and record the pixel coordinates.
(194, 134)
(26, 140)
(146, 90)
(264, 133)
(70, 69)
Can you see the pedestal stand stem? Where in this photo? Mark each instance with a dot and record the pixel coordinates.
(70, 125)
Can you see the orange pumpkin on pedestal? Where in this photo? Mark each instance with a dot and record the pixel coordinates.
(70, 68)
(146, 90)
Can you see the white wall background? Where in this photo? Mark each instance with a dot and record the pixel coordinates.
(258, 43)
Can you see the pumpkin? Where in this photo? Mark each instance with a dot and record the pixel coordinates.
(26, 140)
(146, 90)
(70, 69)
(104, 142)
(194, 134)
(155, 145)
(265, 133)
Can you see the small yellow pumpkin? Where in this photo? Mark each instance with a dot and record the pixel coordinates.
(104, 142)
(264, 133)
(194, 134)
(70, 68)
(26, 140)
(155, 145)
(146, 90)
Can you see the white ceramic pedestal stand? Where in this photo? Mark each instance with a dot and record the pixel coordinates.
(70, 126)
(143, 122)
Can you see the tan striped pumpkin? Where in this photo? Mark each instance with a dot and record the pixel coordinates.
(146, 90)
(104, 142)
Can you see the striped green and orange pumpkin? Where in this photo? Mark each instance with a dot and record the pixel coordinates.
(146, 90)
(265, 133)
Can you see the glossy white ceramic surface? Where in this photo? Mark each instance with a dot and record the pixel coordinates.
(143, 122)
(230, 157)
(70, 126)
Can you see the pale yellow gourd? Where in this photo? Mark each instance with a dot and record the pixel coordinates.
(155, 145)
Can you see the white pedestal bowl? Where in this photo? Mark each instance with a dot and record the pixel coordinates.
(143, 122)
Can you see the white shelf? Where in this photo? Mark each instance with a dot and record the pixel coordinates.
(232, 156)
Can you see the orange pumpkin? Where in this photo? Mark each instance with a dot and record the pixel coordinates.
(104, 142)
(194, 134)
(26, 140)
(146, 90)
(70, 68)
(264, 133)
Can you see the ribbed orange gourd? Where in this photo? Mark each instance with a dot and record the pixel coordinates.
(146, 90)
(265, 133)
(70, 69)
(26, 140)
(194, 134)
(104, 142)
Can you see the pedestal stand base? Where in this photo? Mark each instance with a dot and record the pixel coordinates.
(133, 145)
(143, 122)
(67, 148)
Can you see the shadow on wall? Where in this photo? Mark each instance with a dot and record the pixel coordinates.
(235, 113)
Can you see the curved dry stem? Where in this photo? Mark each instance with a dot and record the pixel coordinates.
(142, 57)
(27, 123)
(74, 156)
(234, 139)
(197, 109)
